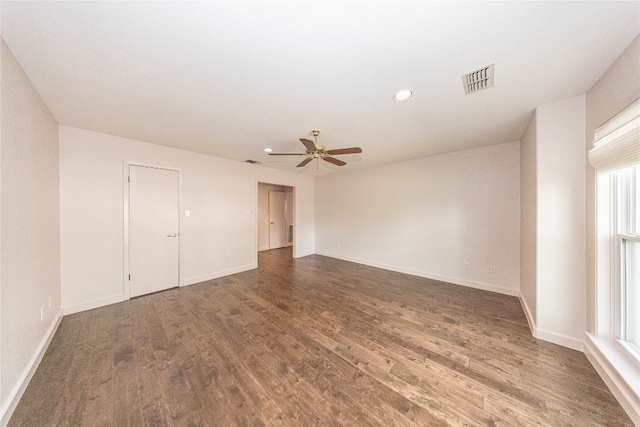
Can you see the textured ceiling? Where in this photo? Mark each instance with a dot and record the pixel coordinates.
(231, 78)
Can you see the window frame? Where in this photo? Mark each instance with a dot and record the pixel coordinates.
(608, 270)
(624, 206)
(620, 310)
(615, 147)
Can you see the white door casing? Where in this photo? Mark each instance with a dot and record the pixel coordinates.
(154, 238)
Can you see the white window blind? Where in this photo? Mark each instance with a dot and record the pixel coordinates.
(617, 142)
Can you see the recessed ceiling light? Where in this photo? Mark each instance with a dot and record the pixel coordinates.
(268, 150)
(403, 95)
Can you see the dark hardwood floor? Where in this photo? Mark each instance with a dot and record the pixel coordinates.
(312, 341)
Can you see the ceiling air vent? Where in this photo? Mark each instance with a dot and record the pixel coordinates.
(478, 80)
(253, 162)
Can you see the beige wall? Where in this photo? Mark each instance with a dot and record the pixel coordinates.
(528, 219)
(429, 216)
(618, 87)
(218, 238)
(30, 221)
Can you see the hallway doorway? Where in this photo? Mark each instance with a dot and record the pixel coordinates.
(276, 226)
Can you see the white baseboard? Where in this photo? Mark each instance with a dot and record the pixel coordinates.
(427, 275)
(16, 394)
(119, 298)
(559, 339)
(627, 398)
(619, 388)
(92, 304)
(528, 314)
(544, 335)
(304, 254)
(199, 279)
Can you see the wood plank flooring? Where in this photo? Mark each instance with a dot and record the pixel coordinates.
(312, 342)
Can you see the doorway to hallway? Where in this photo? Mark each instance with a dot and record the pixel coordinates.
(276, 226)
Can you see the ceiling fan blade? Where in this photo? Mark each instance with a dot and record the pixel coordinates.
(334, 161)
(304, 162)
(286, 154)
(311, 146)
(352, 150)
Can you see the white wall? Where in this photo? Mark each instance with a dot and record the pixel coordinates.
(30, 239)
(561, 240)
(429, 216)
(219, 238)
(528, 220)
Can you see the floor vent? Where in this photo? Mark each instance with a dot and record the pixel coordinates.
(253, 162)
(478, 80)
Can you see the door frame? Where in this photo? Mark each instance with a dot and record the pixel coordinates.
(126, 171)
(293, 215)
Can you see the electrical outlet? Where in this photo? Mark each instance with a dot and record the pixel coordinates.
(466, 265)
(490, 268)
(339, 245)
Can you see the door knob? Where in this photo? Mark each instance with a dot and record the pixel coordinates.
(172, 235)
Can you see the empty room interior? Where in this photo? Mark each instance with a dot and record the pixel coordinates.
(320, 213)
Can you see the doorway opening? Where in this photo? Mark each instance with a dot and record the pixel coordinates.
(276, 218)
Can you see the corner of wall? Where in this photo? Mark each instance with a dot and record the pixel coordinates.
(531, 321)
(11, 402)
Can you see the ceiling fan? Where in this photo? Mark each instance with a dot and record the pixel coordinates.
(315, 151)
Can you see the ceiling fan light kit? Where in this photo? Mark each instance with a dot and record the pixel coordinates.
(315, 151)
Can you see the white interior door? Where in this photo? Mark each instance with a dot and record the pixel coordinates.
(277, 220)
(153, 229)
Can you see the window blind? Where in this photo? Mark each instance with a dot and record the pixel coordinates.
(617, 142)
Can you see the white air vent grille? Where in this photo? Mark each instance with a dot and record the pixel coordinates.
(478, 80)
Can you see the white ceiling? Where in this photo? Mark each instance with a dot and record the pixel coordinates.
(231, 78)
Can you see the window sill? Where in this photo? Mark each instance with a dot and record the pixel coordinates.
(619, 370)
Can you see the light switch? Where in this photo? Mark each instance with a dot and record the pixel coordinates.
(187, 213)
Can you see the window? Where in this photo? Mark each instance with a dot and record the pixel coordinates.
(614, 347)
(627, 218)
